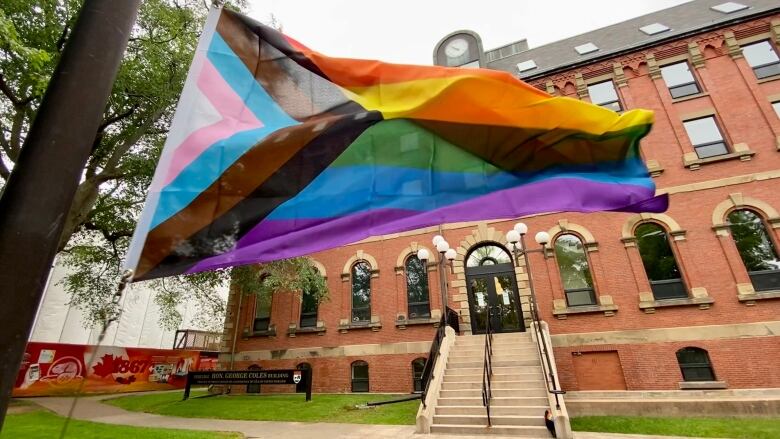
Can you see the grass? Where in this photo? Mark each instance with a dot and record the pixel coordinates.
(40, 424)
(737, 428)
(290, 407)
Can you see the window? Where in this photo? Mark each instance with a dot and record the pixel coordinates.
(679, 79)
(756, 249)
(776, 106)
(574, 269)
(604, 94)
(695, 364)
(763, 58)
(361, 292)
(706, 137)
(417, 289)
(262, 313)
(488, 255)
(360, 376)
(417, 372)
(659, 262)
(309, 307)
(301, 386)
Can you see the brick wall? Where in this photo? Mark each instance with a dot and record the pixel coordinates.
(741, 105)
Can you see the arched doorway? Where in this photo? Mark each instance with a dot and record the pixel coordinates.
(492, 290)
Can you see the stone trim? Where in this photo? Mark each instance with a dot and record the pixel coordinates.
(412, 250)
(736, 201)
(270, 332)
(606, 305)
(359, 255)
(416, 347)
(346, 324)
(619, 74)
(321, 268)
(564, 226)
(582, 88)
(696, 56)
(648, 304)
(740, 151)
(749, 298)
(674, 334)
(735, 52)
(671, 225)
(774, 28)
(652, 66)
(702, 385)
(293, 330)
(698, 114)
(654, 168)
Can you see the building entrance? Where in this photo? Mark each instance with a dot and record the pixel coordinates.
(492, 290)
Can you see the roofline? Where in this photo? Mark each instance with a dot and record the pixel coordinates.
(645, 44)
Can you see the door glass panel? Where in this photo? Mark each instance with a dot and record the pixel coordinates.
(506, 306)
(479, 291)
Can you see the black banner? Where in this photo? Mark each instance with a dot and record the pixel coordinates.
(229, 377)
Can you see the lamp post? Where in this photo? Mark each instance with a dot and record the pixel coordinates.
(445, 254)
(516, 240)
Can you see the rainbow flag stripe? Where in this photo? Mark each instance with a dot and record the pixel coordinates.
(278, 151)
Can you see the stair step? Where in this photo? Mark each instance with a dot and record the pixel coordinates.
(497, 370)
(463, 393)
(506, 430)
(481, 419)
(515, 355)
(481, 352)
(495, 401)
(517, 384)
(459, 363)
(529, 410)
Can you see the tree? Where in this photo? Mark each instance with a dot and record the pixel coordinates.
(125, 148)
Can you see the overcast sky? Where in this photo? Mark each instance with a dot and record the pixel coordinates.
(406, 31)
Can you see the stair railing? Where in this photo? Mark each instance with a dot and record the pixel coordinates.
(433, 354)
(487, 369)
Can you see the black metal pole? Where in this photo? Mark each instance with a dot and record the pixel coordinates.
(443, 284)
(40, 190)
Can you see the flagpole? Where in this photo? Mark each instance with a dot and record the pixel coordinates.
(39, 193)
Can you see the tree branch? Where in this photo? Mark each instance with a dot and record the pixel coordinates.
(16, 135)
(117, 117)
(4, 171)
(8, 92)
(110, 236)
(121, 150)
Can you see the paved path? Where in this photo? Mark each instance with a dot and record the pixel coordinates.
(91, 409)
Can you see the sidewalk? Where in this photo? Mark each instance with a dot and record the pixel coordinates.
(91, 409)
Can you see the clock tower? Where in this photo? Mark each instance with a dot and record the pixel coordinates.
(461, 48)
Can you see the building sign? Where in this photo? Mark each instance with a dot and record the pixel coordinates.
(59, 369)
(246, 377)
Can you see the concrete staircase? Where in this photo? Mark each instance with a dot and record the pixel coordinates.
(519, 394)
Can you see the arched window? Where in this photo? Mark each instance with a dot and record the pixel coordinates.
(575, 271)
(361, 292)
(262, 313)
(695, 364)
(417, 289)
(309, 307)
(360, 376)
(488, 255)
(756, 249)
(659, 262)
(301, 386)
(417, 372)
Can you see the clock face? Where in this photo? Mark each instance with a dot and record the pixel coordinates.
(456, 48)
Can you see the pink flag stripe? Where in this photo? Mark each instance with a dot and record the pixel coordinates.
(236, 117)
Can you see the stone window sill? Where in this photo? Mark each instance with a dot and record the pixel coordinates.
(768, 79)
(402, 324)
(563, 313)
(650, 306)
(702, 385)
(270, 332)
(693, 162)
(689, 97)
(295, 331)
(374, 326)
(750, 299)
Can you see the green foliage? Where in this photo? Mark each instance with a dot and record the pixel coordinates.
(296, 275)
(747, 428)
(321, 408)
(755, 247)
(125, 149)
(42, 424)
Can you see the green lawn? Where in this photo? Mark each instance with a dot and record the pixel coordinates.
(291, 407)
(40, 424)
(737, 428)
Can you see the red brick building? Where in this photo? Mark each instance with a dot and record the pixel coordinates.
(685, 299)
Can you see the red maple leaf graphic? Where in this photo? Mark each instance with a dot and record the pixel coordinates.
(105, 366)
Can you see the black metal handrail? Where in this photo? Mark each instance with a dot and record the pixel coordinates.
(543, 349)
(433, 354)
(487, 369)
